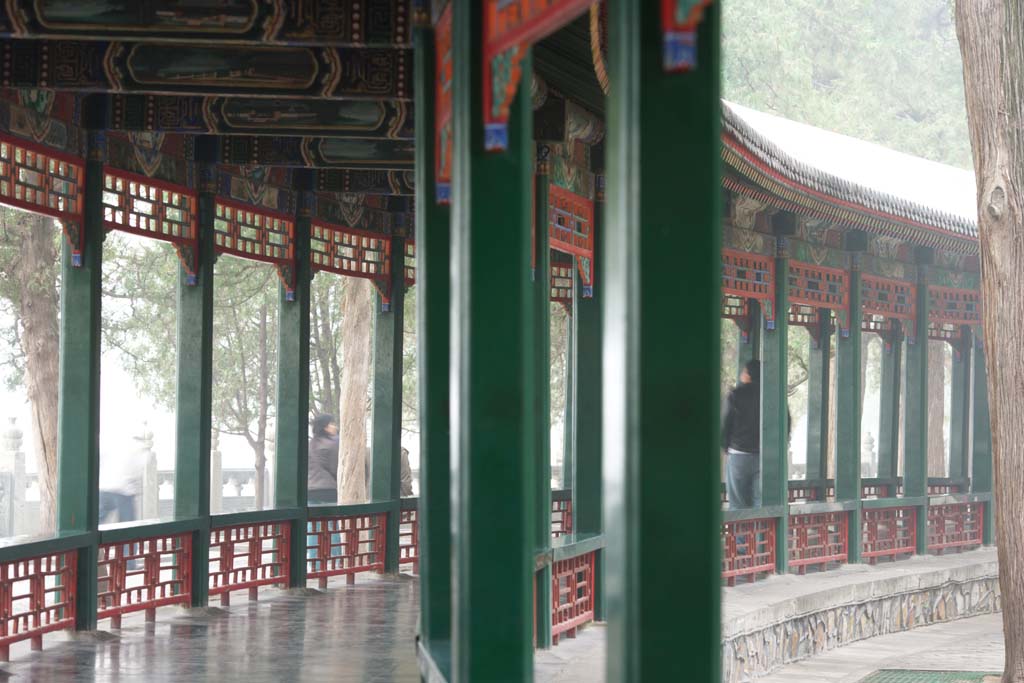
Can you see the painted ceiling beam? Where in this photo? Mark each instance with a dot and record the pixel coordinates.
(392, 120)
(316, 152)
(335, 23)
(191, 69)
(368, 182)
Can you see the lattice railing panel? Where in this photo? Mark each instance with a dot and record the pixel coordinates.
(803, 494)
(814, 287)
(561, 277)
(958, 525)
(253, 233)
(884, 301)
(345, 546)
(40, 180)
(248, 556)
(818, 539)
(888, 532)
(949, 310)
(144, 574)
(745, 277)
(346, 251)
(572, 595)
(37, 596)
(561, 517)
(748, 549)
(410, 263)
(148, 208)
(571, 230)
(409, 540)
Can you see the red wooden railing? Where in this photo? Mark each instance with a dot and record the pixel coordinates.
(889, 532)
(958, 525)
(818, 539)
(572, 595)
(409, 540)
(748, 549)
(37, 596)
(248, 556)
(561, 517)
(144, 574)
(345, 546)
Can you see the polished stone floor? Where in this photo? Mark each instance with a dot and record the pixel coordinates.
(363, 633)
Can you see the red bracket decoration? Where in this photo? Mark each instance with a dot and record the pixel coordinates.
(884, 302)
(152, 208)
(45, 181)
(571, 231)
(258, 234)
(443, 147)
(950, 310)
(745, 277)
(679, 22)
(510, 27)
(816, 287)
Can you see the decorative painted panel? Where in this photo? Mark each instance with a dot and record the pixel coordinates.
(510, 27)
(410, 263)
(443, 142)
(885, 301)
(561, 277)
(949, 310)
(745, 277)
(153, 209)
(257, 234)
(815, 287)
(370, 182)
(570, 231)
(316, 152)
(346, 251)
(679, 22)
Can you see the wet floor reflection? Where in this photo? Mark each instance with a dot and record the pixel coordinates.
(354, 633)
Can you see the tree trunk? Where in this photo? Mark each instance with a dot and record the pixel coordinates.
(936, 410)
(35, 272)
(356, 356)
(991, 34)
(833, 415)
(263, 402)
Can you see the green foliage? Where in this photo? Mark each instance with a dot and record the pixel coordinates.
(886, 72)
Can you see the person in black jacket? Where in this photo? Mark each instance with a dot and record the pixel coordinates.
(322, 477)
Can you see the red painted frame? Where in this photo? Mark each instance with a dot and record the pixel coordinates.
(800, 293)
(409, 262)
(572, 595)
(888, 532)
(346, 546)
(748, 548)
(967, 521)
(409, 540)
(356, 265)
(679, 22)
(48, 608)
(817, 539)
(116, 594)
(561, 518)
(263, 566)
(747, 276)
(574, 233)
(949, 310)
(443, 133)
(878, 299)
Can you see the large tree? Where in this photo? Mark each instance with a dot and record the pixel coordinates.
(992, 42)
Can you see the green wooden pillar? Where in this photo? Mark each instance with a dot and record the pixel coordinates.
(774, 415)
(541, 294)
(848, 410)
(818, 371)
(915, 420)
(981, 439)
(960, 410)
(195, 377)
(569, 414)
(889, 411)
(291, 458)
(386, 454)
(493, 376)
(661, 355)
(433, 287)
(78, 413)
(587, 392)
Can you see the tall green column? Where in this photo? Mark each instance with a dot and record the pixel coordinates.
(774, 415)
(848, 411)
(818, 371)
(78, 411)
(915, 412)
(960, 411)
(569, 414)
(889, 411)
(291, 460)
(588, 394)
(494, 504)
(386, 454)
(433, 294)
(195, 377)
(981, 439)
(541, 294)
(661, 356)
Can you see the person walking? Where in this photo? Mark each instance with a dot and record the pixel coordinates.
(741, 439)
(322, 479)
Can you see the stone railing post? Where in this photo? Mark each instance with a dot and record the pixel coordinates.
(12, 471)
(150, 480)
(216, 479)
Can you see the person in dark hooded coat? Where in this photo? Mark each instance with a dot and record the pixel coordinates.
(323, 461)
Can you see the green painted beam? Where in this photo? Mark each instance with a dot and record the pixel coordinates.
(848, 410)
(818, 371)
(960, 410)
(569, 414)
(386, 414)
(774, 415)
(78, 413)
(915, 417)
(889, 409)
(661, 356)
(433, 296)
(195, 382)
(291, 461)
(981, 438)
(541, 303)
(492, 374)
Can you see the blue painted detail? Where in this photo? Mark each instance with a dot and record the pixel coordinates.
(191, 280)
(769, 324)
(443, 193)
(679, 50)
(385, 307)
(588, 291)
(289, 295)
(76, 260)
(845, 333)
(496, 137)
